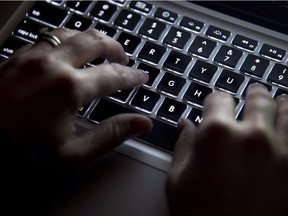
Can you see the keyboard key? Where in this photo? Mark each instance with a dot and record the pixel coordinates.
(251, 81)
(177, 38)
(127, 19)
(103, 10)
(229, 81)
(141, 6)
(162, 134)
(152, 52)
(48, 13)
(129, 42)
(166, 15)
(11, 45)
(195, 116)
(273, 52)
(2, 59)
(280, 92)
(106, 109)
(171, 84)
(171, 110)
(131, 63)
(152, 72)
(202, 47)
(121, 95)
(254, 65)
(279, 75)
(177, 62)
(152, 28)
(78, 22)
(191, 24)
(228, 56)
(196, 93)
(245, 43)
(28, 30)
(97, 61)
(145, 100)
(83, 110)
(107, 30)
(203, 71)
(80, 6)
(218, 33)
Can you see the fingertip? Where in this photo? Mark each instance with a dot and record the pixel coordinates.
(141, 125)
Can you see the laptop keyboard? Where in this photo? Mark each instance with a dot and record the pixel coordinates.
(186, 59)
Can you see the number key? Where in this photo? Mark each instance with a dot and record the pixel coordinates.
(279, 75)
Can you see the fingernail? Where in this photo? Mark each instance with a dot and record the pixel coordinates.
(256, 85)
(282, 97)
(181, 124)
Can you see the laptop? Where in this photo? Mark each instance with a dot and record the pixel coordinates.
(189, 49)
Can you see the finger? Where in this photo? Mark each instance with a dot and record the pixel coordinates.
(183, 150)
(260, 108)
(89, 45)
(106, 79)
(218, 107)
(282, 119)
(105, 137)
(62, 33)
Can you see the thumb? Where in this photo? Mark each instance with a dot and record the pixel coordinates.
(183, 150)
(106, 136)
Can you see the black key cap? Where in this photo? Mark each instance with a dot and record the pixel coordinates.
(202, 47)
(127, 19)
(171, 84)
(191, 24)
(279, 75)
(228, 56)
(80, 6)
(2, 59)
(83, 110)
(141, 6)
(107, 30)
(152, 28)
(97, 61)
(251, 81)
(196, 93)
(229, 81)
(28, 30)
(177, 38)
(79, 23)
(218, 33)
(122, 95)
(103, 10)
(254, 65)
(131, 63)
(273, 52)
(11, 45)
(145, 100)
(280, 92)
(171, 110)
(129, 42)
(177, 62)
(106, 109)
(203, 71)
(48, 13)
(152, 52)
(162, 135)
(166, 15)
(152, 72)
(245, 43)
(195, 116)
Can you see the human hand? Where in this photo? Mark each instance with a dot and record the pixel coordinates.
(42, 88)
(230, 168)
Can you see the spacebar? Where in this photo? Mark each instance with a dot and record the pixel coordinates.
(162, 135)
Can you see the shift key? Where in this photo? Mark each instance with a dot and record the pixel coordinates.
(47, 13)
